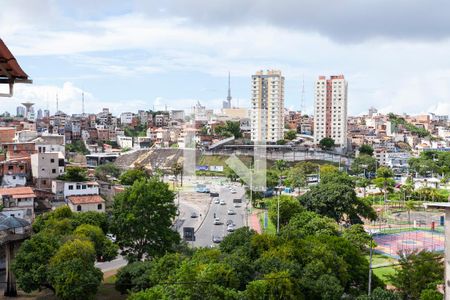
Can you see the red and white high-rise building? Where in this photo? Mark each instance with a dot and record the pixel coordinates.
(330, 110)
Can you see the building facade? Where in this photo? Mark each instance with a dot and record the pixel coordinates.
(267, 121)
(330, 110)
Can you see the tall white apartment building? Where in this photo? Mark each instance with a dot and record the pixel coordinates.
(330, 110)
(267, 120)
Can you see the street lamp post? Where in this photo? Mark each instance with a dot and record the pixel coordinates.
(278, 205)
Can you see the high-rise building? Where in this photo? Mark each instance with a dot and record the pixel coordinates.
(330, 110)
(20, 111)
(39, 114)
(46, 113)
(267, 121)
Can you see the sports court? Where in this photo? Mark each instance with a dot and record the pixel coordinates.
(391, 243)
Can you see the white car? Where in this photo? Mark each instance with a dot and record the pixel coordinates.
(230, 212)
(217, 221)
(230, 228)
(216, 200)
(111, 237)
(222, 202)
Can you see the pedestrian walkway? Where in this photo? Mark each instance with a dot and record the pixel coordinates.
(254, 222)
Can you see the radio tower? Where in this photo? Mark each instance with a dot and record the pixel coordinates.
(57, 103)
(82, 102)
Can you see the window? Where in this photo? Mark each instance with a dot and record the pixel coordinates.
(78, 187)
(10, 168)
(70, 187)
(53, 171)
(83, 186)
(52, 160)
(44, 181)
(99, 207)
(78, 207)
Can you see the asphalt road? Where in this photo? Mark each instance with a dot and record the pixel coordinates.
(207, 229)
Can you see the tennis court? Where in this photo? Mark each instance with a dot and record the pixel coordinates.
(393, 243)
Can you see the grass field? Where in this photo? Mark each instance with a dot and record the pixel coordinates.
(382, 266)
(271, 228)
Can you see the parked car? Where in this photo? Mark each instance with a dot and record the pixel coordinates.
(217, 221)
(229, 222)
(194, 215)
(231, 212)
(217, 239)
(216, 200)
(111, 236)
(233, 191)
(222, 202)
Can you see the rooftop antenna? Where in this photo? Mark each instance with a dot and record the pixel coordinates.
(82, 102)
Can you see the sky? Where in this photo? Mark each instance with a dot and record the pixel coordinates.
(145, 54)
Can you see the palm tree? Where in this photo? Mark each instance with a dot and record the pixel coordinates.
(384, 176)
(409, 205)
(177, 169)
(363, 183)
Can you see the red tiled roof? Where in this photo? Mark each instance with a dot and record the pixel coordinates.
(18, 191)
(9, 63)
(85, 199)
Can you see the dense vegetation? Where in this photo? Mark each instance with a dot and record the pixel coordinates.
(62, 252)
(397, 121)
(77, 146)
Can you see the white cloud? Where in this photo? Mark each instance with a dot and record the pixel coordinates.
(400, 76)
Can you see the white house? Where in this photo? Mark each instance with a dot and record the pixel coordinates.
(18, 202)
(63, 189)
(86, 203)
(125, 141)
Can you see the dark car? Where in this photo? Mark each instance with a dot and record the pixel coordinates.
(194, 215)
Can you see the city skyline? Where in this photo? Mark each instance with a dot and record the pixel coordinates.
(137, 53)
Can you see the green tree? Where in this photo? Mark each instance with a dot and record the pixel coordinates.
(177, 170)
(130, 176)
(276, 285)
(105, 250)
(72, 272)
(384, 180)
(30, 265)
(363, 183)
(230, 128)
(308, 223)
(74, 174)
(297, 176)
(289, 206)
(290, 135)
(99, 219)
(105, 171)
(366, 149)
(363, 164)
(327, 144)
(77, 146)
(142, 218)
(230, 174)
(358, 237)
(409, 205)
(419, 271)
(280, 165)
(335, 197)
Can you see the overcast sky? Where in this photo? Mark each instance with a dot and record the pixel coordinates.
(130, 55)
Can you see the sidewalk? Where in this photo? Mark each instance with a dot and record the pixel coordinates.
(254, 222)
